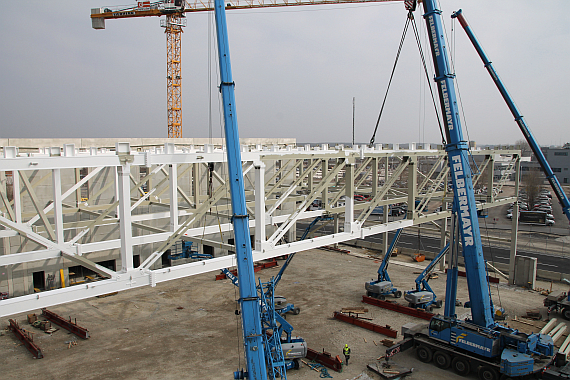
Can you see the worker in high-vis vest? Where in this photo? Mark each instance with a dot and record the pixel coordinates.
(346, 352)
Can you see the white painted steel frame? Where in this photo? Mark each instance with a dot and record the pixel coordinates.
(333, 184)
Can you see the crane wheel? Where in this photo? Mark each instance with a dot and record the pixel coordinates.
(439, 304)
(441, 359)
(397, 294)
(461, 366)
(424, 354)
(296, 311)
(487, 373)
(566, 313)
(381, 297)
(296, 364)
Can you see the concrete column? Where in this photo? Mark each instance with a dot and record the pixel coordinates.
(173, 193)
(515, 225)
(125, 228)
(57, 208)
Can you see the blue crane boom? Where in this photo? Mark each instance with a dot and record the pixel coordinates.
(383, 285)
(423, 295)
(554, 183)
(461, 176)
(479, 343)
(249, 299)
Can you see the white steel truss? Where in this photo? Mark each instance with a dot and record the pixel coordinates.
(134, 207)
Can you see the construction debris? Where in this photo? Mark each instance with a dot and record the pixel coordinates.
(354, 310)
(331, 248)
(32, 318)
(45, 326)
(26, 338)
(533, 314)
(323, 373)
(387, 342)
(256, 268)
(389, 370)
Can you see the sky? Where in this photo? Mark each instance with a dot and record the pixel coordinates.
(296, 69)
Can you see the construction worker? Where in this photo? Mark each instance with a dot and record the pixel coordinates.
(346, 352)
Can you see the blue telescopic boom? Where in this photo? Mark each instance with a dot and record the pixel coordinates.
(562, 198)
(249, 300)
(457, 150)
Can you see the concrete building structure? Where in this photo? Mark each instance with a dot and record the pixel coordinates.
(559, 160)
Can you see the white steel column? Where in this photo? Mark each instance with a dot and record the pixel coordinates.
(173, 192)
(117, 189)
(17, 198)
(325, 193)
(126, 232)
(196, 184)
(515, 224)
(260, 206)
(412, 187)
(385, 213)
(57, 208)
(349, 197)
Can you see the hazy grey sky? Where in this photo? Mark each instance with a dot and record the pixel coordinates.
(296, 70)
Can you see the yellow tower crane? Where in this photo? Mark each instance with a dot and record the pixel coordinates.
(174, 11)
(175, 20)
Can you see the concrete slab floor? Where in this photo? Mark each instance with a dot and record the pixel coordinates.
(187, 329)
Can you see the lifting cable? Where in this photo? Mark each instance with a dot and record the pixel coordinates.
(417, 35)
(409, 18)
(494, 265)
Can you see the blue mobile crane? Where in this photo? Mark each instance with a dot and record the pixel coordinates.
(550, 176)
(479, 343)
(253, 340)
(383, 286)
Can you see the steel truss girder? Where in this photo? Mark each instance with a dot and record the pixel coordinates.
(185, 159)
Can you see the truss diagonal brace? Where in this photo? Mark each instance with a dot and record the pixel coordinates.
(26, 231)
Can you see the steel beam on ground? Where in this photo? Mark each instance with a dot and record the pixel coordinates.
(70, 326)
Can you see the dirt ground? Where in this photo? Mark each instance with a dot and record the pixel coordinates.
(188, 329)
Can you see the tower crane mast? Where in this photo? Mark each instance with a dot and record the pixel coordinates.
(174, 11)
(175, 20)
